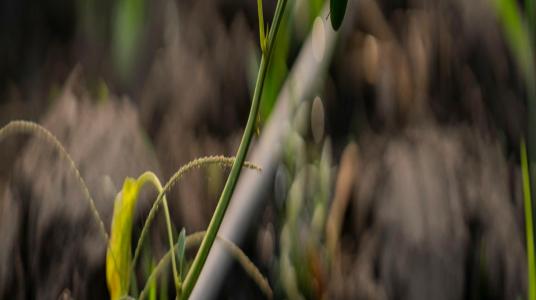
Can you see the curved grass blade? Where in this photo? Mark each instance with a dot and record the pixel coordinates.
(528, 223)
(195, 239)
(197, 163)
(27, 127)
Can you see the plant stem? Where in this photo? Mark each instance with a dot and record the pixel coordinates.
(262, 36)
(20, 126)
(519, 37)
(223, 203)
(195, 239)
(528, 223)
(194, 164)
(152, 178)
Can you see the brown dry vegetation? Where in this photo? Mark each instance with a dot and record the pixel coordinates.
(427, 89)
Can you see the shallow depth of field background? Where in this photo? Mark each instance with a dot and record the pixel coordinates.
(397, 173)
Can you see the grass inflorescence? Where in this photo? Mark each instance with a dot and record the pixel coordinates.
(27, 127)
(120, 264)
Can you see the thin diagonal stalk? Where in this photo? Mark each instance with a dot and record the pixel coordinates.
(27, 127)
(262, 36)
(528, 223)
(194, 164)
(519, 38)
(152, 178)
(223, 203)
(195, 239)
(248, 266)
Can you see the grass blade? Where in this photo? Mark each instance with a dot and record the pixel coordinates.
(528, 223)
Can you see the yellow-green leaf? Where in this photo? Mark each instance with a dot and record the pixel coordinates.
(118, 256)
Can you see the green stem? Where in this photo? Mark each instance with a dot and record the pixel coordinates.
(262, 36)
(194, 164)
(151, 178)
(223, 203)
(519, 38)
(195, 239)
(528, 223)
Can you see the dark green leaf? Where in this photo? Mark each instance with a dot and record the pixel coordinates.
(338, 9)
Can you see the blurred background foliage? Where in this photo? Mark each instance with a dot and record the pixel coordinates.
(450, 80)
